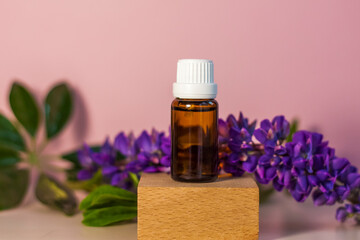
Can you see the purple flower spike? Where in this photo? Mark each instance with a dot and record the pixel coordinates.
(106, 156)
(231, 121)
(85, 174)
(223, 130)
(117, 178)
(165, 161)
(353, 180)
(342, 192)
(109, 170)
(250, 164)
(271, 133)
(151, 169)
(357, 207)
(241, 129)
(300, 197)
(261, 135)
(166, 146)
(270, 173)
(319, 198)
(286, 177)
(349, 208)
(304, 166)
(339, 164)
(240, 135)
(277, 184)
(341, 214)
(331, 198)
(281, 127)
(145, 143)
(86, 160)
(303, 183)
(232, 166)
(124, 144)
(313, 180)
(85, 156)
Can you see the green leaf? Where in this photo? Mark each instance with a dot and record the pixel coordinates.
(293, 129)
(55, 195)
(8, 157)
(134, 178)
(13, 186)
(73, 158)
(107, 189)
(105, 216)
(58, 109)
(9, 136)
(87, 185)
(25, 108)
(108, 200)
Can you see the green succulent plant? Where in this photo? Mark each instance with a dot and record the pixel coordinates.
(22, 144)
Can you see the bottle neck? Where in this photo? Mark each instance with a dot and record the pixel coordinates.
(195, 99)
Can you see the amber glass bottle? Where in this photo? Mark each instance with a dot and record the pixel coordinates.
(194, 117)
(194, 130)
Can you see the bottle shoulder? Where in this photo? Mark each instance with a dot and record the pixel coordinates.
(191, 104)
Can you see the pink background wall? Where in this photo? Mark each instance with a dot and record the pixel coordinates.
(298, 58)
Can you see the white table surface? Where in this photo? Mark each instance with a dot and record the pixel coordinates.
(281, 218)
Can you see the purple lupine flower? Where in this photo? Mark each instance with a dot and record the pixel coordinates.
(353, 180)
(272, 134)
(281, 127)
(237, 134)
(223, 131)
(106, 156)
(308, 154)
(284, 175)
(147, 143)
(341, 214)
(86, 160)
(231, 124)
(303, 166)
(348, 210)
(266, 170)
(265, 134)
(239, 140)
(122, 180)
(147, 153)
(153, 152)
(352, 208)
(322, 198)
(165, 147)
(270, 166)
(125, 144)
(233, 165)
(105, 160)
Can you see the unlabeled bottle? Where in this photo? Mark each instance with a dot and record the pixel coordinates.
(194, 119)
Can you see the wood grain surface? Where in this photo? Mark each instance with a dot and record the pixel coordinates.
(225, 209)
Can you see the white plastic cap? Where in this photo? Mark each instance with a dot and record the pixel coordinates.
(195, 79)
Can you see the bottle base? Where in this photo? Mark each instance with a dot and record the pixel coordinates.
(195, 179)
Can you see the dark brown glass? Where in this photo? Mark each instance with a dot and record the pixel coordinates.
(194, 138)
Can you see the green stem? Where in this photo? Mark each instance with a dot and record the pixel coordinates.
(33, 159)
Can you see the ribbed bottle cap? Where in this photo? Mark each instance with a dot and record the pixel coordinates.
(195, 79)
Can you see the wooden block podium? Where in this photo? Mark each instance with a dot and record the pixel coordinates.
(225, 209)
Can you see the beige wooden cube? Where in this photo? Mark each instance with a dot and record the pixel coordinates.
(225, 209)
